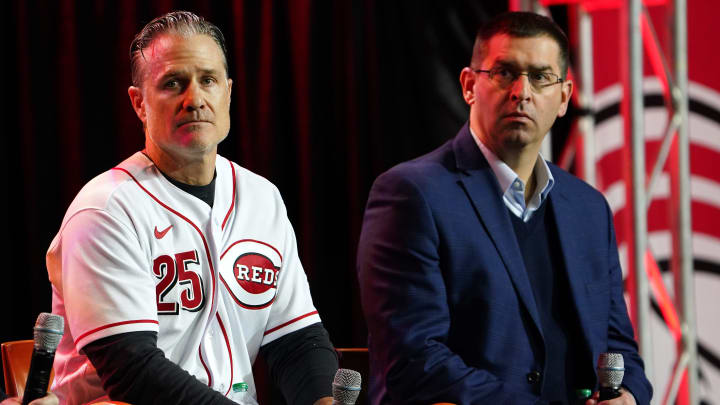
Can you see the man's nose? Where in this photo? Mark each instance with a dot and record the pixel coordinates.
(194, 97)
(520, 89)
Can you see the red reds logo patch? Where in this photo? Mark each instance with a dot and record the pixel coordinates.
(250, 269)
(255, 273)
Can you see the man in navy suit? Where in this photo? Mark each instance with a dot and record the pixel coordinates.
(488, 275)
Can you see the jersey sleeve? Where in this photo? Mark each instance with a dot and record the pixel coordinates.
(106, 285)
(293, 308)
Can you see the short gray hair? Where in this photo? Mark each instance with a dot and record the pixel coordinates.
(183, 23)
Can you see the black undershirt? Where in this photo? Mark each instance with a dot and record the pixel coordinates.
(133, 369)
(205, 193)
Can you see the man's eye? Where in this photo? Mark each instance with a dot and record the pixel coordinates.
(540, 77)
(503, 73)
(208, 80)
(171, 84)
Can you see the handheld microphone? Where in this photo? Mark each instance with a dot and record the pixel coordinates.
(346, 387)
(48, 330)
(610, 369)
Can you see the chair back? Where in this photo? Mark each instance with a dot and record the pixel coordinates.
(16, 365)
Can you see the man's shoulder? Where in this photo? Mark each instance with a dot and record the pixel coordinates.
(426, 170)
(571, 181)
(100, 200)
(103, 188)
(574, 188)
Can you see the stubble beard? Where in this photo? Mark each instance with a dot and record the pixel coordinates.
(517, 136)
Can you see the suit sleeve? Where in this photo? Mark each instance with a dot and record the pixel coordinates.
(405, 304)
(620, 331)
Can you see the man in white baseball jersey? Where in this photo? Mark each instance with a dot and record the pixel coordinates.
(177, 267)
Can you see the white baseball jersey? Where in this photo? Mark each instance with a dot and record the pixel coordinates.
(136, 253)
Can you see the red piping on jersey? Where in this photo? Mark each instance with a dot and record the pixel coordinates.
(267, 332)
(232, 205)
(202, 236)
(251, 240)
(227, 343)
(114, 324)
(238, 301)
(207, 250)
(207, 370)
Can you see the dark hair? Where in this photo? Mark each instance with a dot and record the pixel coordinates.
(521, 24)
(182, 23)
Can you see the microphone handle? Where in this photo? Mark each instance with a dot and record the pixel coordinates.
(39, 375)
(609, 393)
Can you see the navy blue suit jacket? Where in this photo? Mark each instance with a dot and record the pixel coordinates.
(450, 310)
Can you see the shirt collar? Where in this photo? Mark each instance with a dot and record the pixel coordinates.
(507, 176)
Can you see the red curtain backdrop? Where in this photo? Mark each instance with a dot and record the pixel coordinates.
(326, 96)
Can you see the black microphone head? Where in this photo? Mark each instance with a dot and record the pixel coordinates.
(48, 331)
(611, 369)
(346, 386)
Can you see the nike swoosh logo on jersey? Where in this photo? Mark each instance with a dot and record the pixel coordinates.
(161, 234)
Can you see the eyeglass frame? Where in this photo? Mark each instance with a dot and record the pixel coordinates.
(518, 74)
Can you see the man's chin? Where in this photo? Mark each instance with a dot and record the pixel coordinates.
(200, 140)
(519, 138)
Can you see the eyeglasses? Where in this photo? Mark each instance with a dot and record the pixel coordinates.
(504, 77)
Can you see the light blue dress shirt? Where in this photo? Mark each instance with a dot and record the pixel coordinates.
(514, 188)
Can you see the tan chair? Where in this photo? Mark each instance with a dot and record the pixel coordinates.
(16, 357)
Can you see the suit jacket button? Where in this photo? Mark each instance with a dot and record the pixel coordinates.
(533, 377)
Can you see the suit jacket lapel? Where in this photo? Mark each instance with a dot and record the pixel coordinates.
(569, 223)
(485, 195)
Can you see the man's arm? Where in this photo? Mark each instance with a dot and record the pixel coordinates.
(405, 304)
(301, 360)
(620, 331)
(302, 364)
(134, 370)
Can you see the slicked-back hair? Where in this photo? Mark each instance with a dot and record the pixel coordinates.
(183, 23)
(521, 24)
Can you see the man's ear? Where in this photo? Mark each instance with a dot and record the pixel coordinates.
(566, 93)
(136, 99)
(467, 82)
